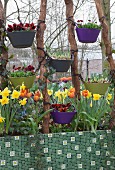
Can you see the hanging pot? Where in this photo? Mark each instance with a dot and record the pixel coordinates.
(62, 117)
(21, 39)
(87, 35)
(60, 65)
(17, 81)
(97, 88)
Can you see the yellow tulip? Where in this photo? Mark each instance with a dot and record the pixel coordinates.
(5, 92)
(4, 101)
(15, 94)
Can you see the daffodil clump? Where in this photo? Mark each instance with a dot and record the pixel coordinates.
(10, 102)
(62, 96)
(93, 110)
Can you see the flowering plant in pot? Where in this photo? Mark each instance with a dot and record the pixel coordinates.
(21, 35)
(22, 74)
(63, 111)
(88, 32)
(98, 83)
(59, 63)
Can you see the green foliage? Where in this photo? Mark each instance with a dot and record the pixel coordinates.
(92, 114)
(21, 73)
(90, 25)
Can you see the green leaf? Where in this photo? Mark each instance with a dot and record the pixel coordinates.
(89, 116)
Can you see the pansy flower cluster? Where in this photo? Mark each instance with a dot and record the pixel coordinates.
(21, 27)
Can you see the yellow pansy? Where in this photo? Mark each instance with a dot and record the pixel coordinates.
(50, 92)
(5, 92)
(23, 102)
(96, 96)
(109, 96)
(2, 119)
(15, 94)
(4, 101)
(22, 87)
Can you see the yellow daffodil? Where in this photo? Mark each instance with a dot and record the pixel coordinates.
(91, 104)
(58, 95)
(108, 102)
(89, 95)
(23, 102)
(109, 96)
(15, 94)
(50, 92)
(5, 92)
(41, 97)
(96, 96)
(2, 119)
(22, 87)
(4, 101)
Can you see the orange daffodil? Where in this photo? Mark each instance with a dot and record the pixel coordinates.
(86, 93)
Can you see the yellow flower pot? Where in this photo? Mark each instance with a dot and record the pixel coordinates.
(17, 81)
(97, 88)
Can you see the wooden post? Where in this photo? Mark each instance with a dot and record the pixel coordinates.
(40, 45)
(108, 47)
(3, 51)
(73, 46)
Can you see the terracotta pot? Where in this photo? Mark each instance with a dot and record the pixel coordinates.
(21, 39)
(87, 35)
(17, 81)
(97, 88)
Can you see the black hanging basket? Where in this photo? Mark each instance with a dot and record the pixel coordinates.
(60, 65)
(21, 39)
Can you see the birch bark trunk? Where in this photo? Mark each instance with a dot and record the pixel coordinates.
(108, 47)
(40, 44)
(3, 51)
(73, 46)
